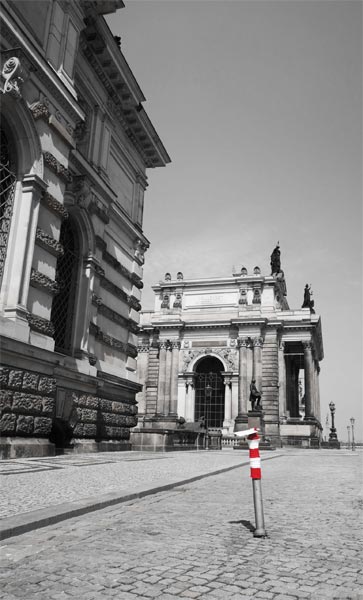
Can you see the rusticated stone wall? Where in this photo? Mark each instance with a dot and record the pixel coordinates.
(27, 403)
(103, 419)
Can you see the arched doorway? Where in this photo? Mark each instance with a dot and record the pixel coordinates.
(209, 391)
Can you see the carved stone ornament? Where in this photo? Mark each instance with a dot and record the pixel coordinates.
(244, 271)
(39, 280)
(54, 164)
(54, 205)
(39, 110)
(167, 277)
(48, 242)
(178, 301)
(243, 343)
(180, 276)
(258, 342)
(40, 325)
(256, 296)
(257, 271)
(243, 297)
(166, 301)
(140, 249)
(14, 75)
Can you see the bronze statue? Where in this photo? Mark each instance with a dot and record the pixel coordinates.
(275, 260)
(255, 396)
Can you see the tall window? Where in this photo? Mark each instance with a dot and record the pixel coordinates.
(209, 392)
(63, 307)
(7, 190)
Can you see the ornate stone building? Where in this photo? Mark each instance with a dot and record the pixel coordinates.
(207, 339)
(75, 146)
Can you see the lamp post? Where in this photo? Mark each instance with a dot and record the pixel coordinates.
(208, 395)
(348, 430)
(333, 431)
(352, 421)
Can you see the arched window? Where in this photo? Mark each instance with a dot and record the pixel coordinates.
(63, 307)
(7, 190)
(209, 391)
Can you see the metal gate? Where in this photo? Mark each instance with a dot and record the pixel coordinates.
(209, 398)
(7, 190)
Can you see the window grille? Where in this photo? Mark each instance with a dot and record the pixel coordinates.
(62, 315)
(209, 403)
(7, 191)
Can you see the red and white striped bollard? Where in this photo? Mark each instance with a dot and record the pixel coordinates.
(253, 441)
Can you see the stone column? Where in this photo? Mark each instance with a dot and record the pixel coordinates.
(308, 374)
(173, 408)
(227, 401)
(167, 379)
(318, 410)
(160, 402)
(15, 284)
(142, 375)
(242, 378)
(257, 362)
(282, 382)
(190, 399)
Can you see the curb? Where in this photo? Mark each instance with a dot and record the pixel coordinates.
(23, 523)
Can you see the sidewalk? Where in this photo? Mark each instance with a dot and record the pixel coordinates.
(41, 491)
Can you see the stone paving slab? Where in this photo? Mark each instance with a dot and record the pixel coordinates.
(195, 540)
(39, 492)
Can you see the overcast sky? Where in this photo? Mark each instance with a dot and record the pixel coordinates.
(259, 105)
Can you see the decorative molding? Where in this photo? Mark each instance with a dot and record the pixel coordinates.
(38, 280)
(100, 243)
(114, 316)
(54, 205)
(178, 301)
(114, 289)
(113, 262)
(48, 242)
(40, 325)
(54, 164)
(109, 340)
(257, 342)
(91, 262)
(165, 301)
(230, 356)
(256, 296)
(243, 342)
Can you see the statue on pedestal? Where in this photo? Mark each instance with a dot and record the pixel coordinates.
(255, 396)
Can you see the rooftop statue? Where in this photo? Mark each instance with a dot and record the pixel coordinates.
(308, 302)
(275, 260)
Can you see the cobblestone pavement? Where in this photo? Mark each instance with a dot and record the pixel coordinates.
(195, 541)
(33, 484)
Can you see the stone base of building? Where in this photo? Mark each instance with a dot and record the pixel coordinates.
(17, 447)
(83, 446)
(166, 440)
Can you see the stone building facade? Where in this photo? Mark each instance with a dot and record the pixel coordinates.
(216, 335)
(76, 143)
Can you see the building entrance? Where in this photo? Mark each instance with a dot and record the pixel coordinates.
(209, 392)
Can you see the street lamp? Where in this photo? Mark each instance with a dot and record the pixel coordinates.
(348, 430)
(352, 421)
(333, 431)
(208, 395)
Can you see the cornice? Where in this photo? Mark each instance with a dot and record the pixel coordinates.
(124, 94)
